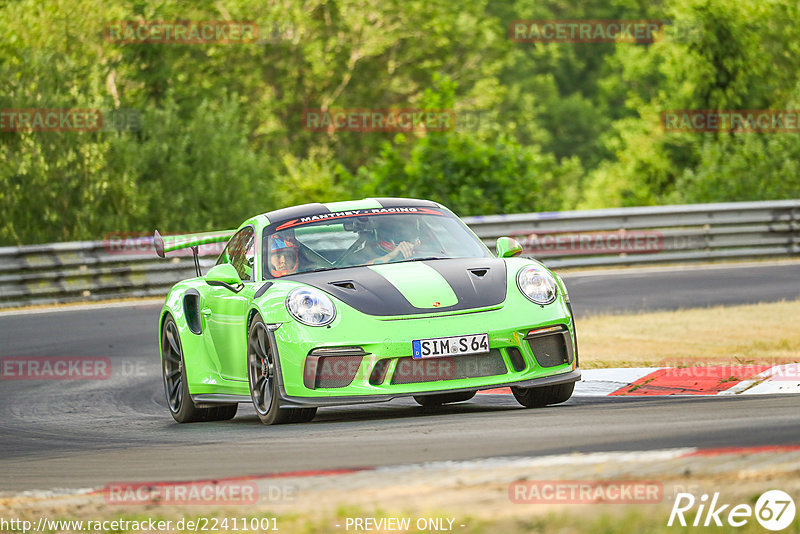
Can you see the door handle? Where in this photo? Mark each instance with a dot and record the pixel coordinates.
(206, 312)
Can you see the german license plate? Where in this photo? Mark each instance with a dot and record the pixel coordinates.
(449, 346)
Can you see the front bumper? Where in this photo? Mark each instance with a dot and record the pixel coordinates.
(512, 361)
(289, 401)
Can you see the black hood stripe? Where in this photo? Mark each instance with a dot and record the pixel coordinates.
(372, 294)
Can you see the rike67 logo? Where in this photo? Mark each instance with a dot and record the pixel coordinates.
(774, 510)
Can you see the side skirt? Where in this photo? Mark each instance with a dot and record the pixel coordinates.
(209, 400)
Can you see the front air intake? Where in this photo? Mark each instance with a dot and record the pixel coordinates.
(378, 374)
(415, 371)
(517, 361)
(332, 367)
(551, 346)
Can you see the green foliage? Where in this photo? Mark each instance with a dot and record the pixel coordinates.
(191, 171)
(474, 177)
(738, 55)
(538, 126)
(733, 168)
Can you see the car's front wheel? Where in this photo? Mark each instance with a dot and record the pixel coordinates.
(443, 398)
(544, 395)
(176, 386)
(262, 374)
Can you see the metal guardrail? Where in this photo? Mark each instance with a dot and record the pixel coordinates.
(97, 270)
(660, 234)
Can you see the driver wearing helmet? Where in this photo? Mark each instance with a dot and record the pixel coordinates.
(283, 255)
(395, 241)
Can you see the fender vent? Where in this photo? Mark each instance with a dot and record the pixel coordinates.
(262, 290)
(480, 273)
(191, 310)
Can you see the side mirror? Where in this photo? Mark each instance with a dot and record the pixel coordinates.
(507, 247)
(224, 275)
(158, 244)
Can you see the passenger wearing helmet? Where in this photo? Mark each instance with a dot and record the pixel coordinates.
(283, 255)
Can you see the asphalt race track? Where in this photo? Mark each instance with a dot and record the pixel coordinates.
(671, 288)
(74, 434)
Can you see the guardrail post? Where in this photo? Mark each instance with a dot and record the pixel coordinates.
(794, 230)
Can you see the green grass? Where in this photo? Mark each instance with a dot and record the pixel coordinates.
(733, 335)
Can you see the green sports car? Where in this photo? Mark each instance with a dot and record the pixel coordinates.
(360, 301)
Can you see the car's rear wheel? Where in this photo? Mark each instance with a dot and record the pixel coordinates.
(262, 374)
(443, 398)
(543, 396)
(176, 386)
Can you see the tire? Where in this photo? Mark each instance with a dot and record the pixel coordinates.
(443, 398)
(307, 415)
(543, 396)
(262, 377)
(176, 386)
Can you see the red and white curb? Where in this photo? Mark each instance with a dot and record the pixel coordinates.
(713, 380)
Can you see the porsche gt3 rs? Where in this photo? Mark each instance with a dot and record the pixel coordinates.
(361, 301)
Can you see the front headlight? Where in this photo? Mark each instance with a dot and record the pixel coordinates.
(537, 284)
(310, 306)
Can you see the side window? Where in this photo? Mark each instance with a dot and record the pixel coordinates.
(240, 253)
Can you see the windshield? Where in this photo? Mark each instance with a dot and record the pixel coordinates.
(366, 237)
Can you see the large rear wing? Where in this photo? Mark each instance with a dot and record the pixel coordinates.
(193, 241)
(164, 244)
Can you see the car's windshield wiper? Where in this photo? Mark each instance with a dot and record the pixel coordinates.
(320, 269)
(422, 259)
